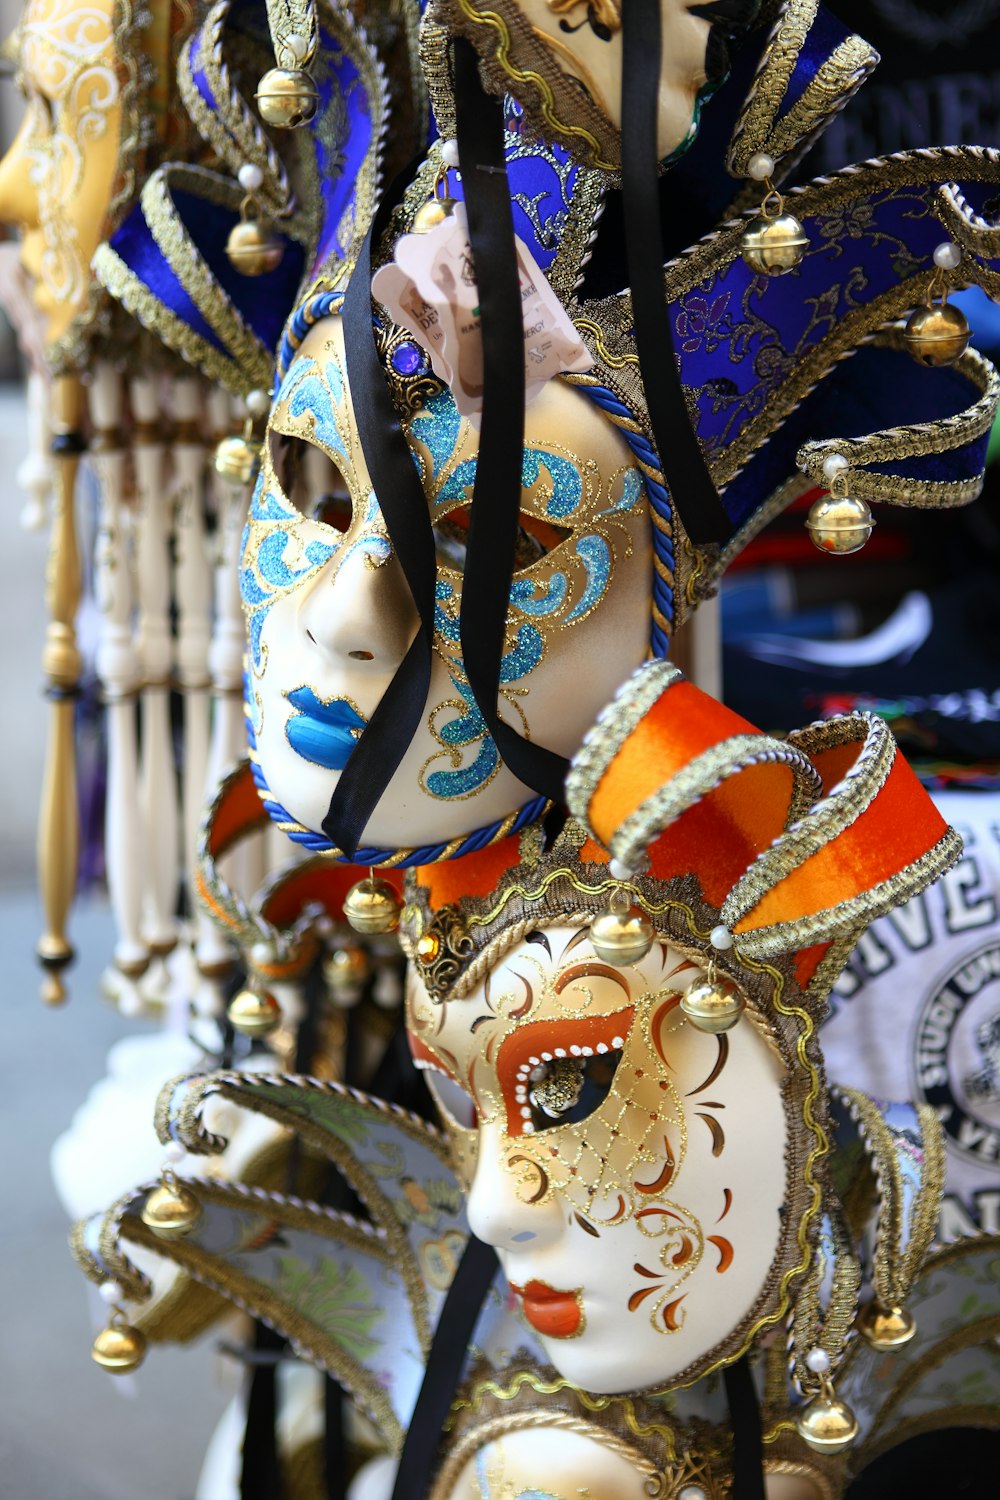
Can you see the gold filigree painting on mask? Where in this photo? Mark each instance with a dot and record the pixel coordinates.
(630, 1169)
(563, 59)
(70, 160)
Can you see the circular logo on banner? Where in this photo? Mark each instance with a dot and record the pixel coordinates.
(957, 1055)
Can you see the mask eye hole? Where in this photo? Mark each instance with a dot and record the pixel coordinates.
(451, 1099)
(568, 1089)
(311, 481)
(333, 510)
(535, 539)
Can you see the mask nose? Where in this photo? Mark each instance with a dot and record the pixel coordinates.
(18, 194)
(359, 610)
(497, 1213)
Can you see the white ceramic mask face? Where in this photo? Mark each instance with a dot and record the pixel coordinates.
(330, 615)
(629, 1169)
(585, 39)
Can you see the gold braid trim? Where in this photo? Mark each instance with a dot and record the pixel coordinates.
(901, 1244)
(655, 1480)
(294, 29)
(187, 263)
(774, 72)
(256, 1297)
(502, 33)
(233, 132)
(829, 1327)
(915, 440)
(156, 317)
(247, 1090)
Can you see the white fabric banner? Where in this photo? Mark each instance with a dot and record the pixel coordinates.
(916, 1013)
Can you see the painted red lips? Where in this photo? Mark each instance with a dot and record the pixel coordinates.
(556, 1314)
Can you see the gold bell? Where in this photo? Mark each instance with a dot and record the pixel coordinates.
(171, 1211)
(826, 1423)
(775, 241)
(236, 459)
(253, 249)
(937, 334)
(437, 208)
(372, 906)
(119, 1348)
(253, 1014)
(711, 1006)
(886, 1327)
(623, 934)
(287, 97)
(346, 969)
(839, 524)
(432, 213)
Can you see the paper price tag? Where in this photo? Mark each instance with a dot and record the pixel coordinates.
(430, 289)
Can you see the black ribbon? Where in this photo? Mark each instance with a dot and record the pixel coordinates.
(496, 498)
(452, 1336)
(260, 1473)
(744, 1410)
(692, 490)
(387, 735)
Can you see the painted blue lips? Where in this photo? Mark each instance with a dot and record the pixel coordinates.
(323, 733)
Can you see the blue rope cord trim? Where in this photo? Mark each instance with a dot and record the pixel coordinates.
(659, 499)
(427, 854)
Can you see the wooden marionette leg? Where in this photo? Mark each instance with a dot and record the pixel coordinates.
(118, 671)
(158, 775)
(34, 474)
(250, 861)
(193, 592)
(59, 818)
(214, 953)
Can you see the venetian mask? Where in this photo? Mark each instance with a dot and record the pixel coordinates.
(330, 615)
(59, 176)
(562, 59)
(629, 1168)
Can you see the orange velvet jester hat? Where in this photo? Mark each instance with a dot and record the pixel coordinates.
(780, 849)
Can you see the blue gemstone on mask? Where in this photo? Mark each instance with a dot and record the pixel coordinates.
(406, 359)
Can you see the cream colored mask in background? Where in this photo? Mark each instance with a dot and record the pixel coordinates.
(585, 40)
(563, 60)
(58, 179)
(629, 1168)
(330, 615)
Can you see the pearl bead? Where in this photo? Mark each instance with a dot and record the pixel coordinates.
(948, 256)
(110, 1292)
(298, 46)
(818, 1361)
(834, 464)
(692, 1492)
(621, 871)
(174, 1152)
(449, 153)
(720, 937)
(761, 166)
(250, 177)
(258, 403)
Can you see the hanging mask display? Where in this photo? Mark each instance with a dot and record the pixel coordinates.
(351, 600)
(636, 1164)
